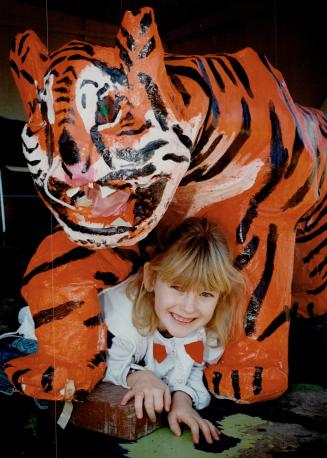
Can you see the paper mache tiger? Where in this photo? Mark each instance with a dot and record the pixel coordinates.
(122, 139)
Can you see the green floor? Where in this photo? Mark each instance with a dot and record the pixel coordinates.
(296, 423)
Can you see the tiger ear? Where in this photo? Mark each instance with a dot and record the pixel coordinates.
(28, 64)
(139, 44)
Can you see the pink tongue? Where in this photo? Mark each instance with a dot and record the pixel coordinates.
(106, 206)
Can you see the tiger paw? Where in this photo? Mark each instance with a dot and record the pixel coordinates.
(44, 377)
(246, 384)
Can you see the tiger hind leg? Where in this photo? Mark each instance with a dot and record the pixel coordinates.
(309, 288)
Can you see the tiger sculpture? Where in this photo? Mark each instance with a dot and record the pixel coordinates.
(121, 140)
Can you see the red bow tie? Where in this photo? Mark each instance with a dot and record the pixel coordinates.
(194, 349)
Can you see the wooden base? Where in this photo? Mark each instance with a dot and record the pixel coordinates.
(103, 413)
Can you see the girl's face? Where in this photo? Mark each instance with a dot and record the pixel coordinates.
(182, 312)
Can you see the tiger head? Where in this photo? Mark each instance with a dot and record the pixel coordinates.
(106, 141)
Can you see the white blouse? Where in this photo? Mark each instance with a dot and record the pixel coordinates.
(179, 362)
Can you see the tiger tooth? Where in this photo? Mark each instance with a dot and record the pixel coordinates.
(106, 191)
(120, 222)
(84, 202)
(72, 191)
(91, 185)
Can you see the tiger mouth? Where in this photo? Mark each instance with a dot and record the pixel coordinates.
(106, 206)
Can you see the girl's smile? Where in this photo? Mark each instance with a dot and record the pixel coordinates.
(181, 319)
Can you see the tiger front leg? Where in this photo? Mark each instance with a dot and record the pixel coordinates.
(254, 366)
(61, 287)
(71, 351)
(252, 370)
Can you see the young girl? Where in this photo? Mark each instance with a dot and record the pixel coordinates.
(170, 320)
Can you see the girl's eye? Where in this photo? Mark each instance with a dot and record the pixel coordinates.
(206, 294)
(175, 287)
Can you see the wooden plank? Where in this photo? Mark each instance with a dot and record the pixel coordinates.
(102, 412)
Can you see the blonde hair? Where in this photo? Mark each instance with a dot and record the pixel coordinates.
(194, 256)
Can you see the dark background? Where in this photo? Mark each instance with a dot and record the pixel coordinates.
(290, 33)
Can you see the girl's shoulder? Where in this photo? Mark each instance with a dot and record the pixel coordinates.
(117, 308)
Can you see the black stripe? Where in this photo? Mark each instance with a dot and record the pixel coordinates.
(318, 268)
(216, 75)
(14, 67)
(129, 39)
(278, 159)
(123, 54)
(260, 291)
(316, 209)
(145, 23)
(97, 359)
(21, 43)
(199, 145)
(315, 251)
(29, 150)
(155, 99)
(257, 380)
(247, 254)
(275, 324)
(175, 158)
(27, 76)
(117, 75)
(145, 126)
(15, 378)
(47, 379)
(62, 99)
(226, 69)
(323, 132)
(241, 73)
(317, 290)
(25, 55)
(55, 313)
(33, 163)
(186, 96)
(202, 157)
(108, 278)
(61, 90)
(236, 384)
(231, 152)
(300, 193)
(93, 321)
(317, 220)
(192, 73)
(65, 80)
(56, 62)
(142, 155)
(72, 70)
(75, 254)
(216, 381)
(298, 148)
(79, 46)
(312, 235)
(182, 137)
(147, 48)
(68, 148)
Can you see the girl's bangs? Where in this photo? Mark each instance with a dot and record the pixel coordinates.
(192, 271)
